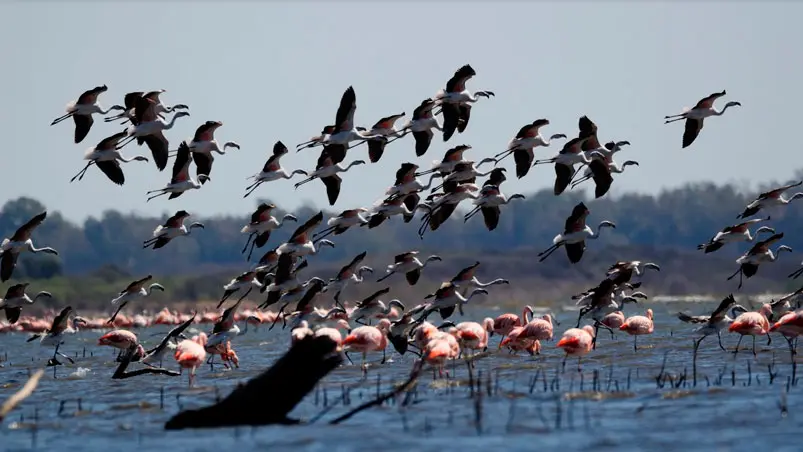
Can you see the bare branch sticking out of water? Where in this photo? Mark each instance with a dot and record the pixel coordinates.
(380, 400)
(22, 394)
(121, 374)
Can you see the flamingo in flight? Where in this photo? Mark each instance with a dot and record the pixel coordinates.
(261, 225)
(11, 248)
(173, 227)
(758, 254)
(714, 323)
(131, 100)
(383, 129)
(16, 298)
(602, 170)
(345, 131)
(326, 170)
(147, 127)
(522, 146)
(134, 290)
(82, 110)
(735, 233)
(575, 233)
(455, 101)
(694, 116)
(440, 210)
(409, 264)
(202, 145)
(421, 125)
(317, 140)
(299, 244)
(342, 222)
(623, 271)
(770, 199)
(272, 170)
(58, 332)
(570, 155)
(107, 158)
(351, 272)
(489, 201)
(181, 180)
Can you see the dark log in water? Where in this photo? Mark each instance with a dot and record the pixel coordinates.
(120, 373)
(269, 397)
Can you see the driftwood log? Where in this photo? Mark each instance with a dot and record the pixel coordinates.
(269, 397)
(126, 358)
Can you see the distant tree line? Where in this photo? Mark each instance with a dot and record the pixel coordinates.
(666, 227)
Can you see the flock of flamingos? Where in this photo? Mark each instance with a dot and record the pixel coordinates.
(370, 325)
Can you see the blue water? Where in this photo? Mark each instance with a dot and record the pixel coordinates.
(627, 411)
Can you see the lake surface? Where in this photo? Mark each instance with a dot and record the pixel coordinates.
(615, 403)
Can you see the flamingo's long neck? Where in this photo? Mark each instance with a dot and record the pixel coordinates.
(169, 125)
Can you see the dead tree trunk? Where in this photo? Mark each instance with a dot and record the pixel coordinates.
(269, 397)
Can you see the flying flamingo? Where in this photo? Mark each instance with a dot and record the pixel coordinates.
(694, 116)
(11, 248)
(134, 290)
(714, 323)
(491, 197)
(575, 233)
(770, 199)
(421, 125)
(82, 110)
(409, 264)
(172, 228)
(131, 100)
(758, 254)
(638, 325)
(16, 298)
(181, 180)
(523, 145)
(148, 128)
(736, 233)
(326, 170)
(455, 101)
(107, 158)
(261, 225)
(272, 170)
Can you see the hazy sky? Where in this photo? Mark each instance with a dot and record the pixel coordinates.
(275, 71)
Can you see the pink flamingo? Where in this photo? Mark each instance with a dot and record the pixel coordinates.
(121, 340)
(507, 321)
(334, 333)
(423, 334)
(368, 339)
(577, 342)
(303, 330)
(614, 320)
(790, 325)
(751, 324)
(440, 348)
(472, 335)
(638, 325)
(538, 329)
(190, 354)
(515, 342)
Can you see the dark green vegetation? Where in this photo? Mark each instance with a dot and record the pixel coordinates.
(99, 257)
